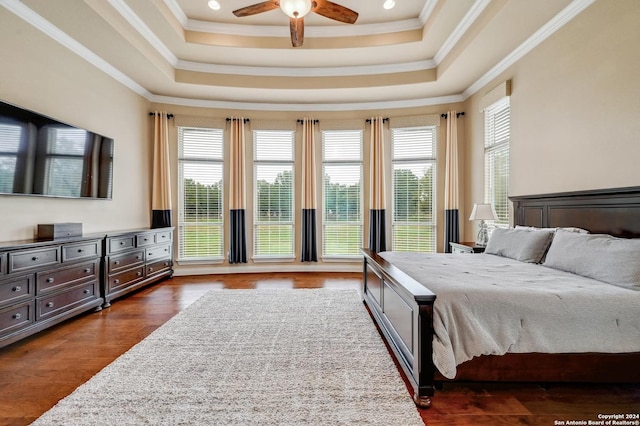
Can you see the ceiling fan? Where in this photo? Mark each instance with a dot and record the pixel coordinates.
(296, 9)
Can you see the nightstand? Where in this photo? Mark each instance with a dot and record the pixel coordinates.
(466, 247)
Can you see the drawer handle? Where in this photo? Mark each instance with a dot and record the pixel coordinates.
(150, 269)
(16, 316)
(17, 288)
(34, 258)
(49, 305)
(50, 280)
(86, 271)
(121, 243)
(80, 250)
(139, 257)
(139, 273)
(150, 254)
(163, 236)
(86, 291)
(145, 239)
(116, 281)
(116, 262)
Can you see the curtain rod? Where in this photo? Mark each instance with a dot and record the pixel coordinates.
(368, 120)
(246, 120)
(457, 115)
(302, 121)
(168, 115)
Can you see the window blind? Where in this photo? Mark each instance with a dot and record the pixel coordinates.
(496, 159)
(200, 204)
(65, 162)
(342, 192)
(10, 136)
(414, 163)
(273, 191)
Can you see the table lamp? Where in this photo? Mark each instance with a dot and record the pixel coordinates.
(483, 212)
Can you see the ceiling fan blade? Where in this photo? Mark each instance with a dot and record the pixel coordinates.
(254, 9)
(297, 31)
(334, 11)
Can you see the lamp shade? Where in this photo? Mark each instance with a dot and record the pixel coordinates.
(483, 212)
(295, 8)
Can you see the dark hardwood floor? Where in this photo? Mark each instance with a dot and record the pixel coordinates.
(38, 371)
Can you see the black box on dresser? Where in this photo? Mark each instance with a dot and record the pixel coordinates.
(54, 231)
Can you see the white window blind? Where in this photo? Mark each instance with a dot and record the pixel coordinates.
(64, 162)
(342, 193)
(274, 183)
(414, 165)
(10, 136)
(200, 207)
(497, 135)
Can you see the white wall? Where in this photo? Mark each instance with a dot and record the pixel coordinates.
(575, 109)
(39, 74)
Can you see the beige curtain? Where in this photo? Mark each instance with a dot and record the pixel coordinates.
(161, 178)
(451, 196)
(309, 252)
(237, 193)
(377, 203)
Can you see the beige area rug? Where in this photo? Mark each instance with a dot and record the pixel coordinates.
(250, 357)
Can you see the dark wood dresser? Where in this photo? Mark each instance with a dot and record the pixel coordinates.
(134, 259)
(45, 282)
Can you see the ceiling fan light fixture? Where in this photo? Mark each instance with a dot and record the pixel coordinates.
(213, 4)
(295, 8)
(389, 4)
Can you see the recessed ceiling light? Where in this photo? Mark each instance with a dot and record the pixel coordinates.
(389, 4)
(213, 4)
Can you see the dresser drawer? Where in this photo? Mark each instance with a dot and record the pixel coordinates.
(58, 303)
(16, 317)
(163, 237)
(80, 251)
(3, 263)
(158, 267)
(125, 279)
(118, 244)
(29, 259)
(52, 280)
(124, 261)
(158, 252)
(145, 239)
(15, 290)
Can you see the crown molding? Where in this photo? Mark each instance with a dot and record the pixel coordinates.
(544, 32)
(315, 107)
(557, 22)
(324, 31)
(306, 72)
(462, 27)
(50, 30)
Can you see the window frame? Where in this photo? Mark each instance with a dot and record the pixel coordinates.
(417, 160)
(182, 160)
(325, 222)
(497, 139)
(257, 222)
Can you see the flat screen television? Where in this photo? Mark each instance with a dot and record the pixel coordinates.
(45, 157)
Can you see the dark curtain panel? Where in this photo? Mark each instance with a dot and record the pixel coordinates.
(238, 237)
(160, 218)
(377, 230)
(451, 228)
(309, 243)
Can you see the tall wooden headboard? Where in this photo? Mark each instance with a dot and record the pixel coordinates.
(605, 211)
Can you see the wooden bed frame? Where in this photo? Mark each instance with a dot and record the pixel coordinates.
(403, 308)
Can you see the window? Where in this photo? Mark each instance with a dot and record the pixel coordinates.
(65, 162)
(497, 132)
(200, 212)
(342, 193)
(10, 137)
(414, 164)
(273, 191)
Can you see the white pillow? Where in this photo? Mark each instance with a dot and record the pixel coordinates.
(598, 256)
(525, 245)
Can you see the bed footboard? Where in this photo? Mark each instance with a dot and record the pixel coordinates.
(403, 310)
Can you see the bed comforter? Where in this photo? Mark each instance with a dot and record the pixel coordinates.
(491, 305)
